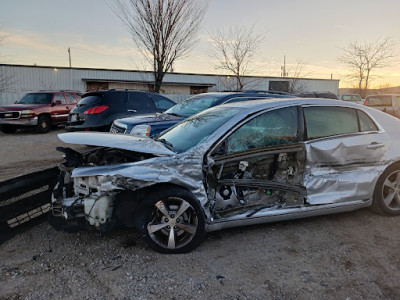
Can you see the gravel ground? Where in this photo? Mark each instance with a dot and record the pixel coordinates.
(26, 151)
(344, 256)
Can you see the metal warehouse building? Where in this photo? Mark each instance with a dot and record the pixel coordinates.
(18, 80)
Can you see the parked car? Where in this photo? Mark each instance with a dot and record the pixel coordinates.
(356, 98)
(151, 124)
(388, 103)
(41, 110)
(327, 95)
(97, 110)
(232, 165)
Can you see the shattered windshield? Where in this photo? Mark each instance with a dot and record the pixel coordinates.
(196, 129)
(193, 105)
(36, 98)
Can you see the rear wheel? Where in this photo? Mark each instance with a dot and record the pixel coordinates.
(44, 124)
(8, 129)
(173, 221)
(387, 192)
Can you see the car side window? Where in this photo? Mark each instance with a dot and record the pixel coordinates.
(59, 97)
(278, 127)
(140, 103)
(366, 124)
(162, 103)
(329, 121)
(71, 98)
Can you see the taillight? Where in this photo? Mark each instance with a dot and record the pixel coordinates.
(366, 102)
(95, 110)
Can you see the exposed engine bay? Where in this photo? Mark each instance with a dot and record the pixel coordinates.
(92, 197)
(100, 156)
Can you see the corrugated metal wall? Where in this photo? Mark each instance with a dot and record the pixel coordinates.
(26, 79)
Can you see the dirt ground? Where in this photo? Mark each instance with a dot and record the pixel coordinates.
(344, 256)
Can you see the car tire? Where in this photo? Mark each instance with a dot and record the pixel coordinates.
(386, 199)
(172, 221)
(8, 129)
(43, 125)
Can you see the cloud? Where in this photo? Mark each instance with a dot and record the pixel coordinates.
(26, 40)
(26, 47)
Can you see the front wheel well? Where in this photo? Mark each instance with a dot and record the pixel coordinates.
(47, 115)
(129, 204)
(171, 220)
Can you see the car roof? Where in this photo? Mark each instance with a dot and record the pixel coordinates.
(102, 92)
(246, 93)
(257, 105)
(375, 95)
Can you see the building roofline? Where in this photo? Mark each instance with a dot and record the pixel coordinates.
(148, 82)
(150, 72)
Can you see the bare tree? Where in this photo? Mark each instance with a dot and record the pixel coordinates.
(363, 59)
(296, 73)
(234, 51)
(6, 81)
(164, 30)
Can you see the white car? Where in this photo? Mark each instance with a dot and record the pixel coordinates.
(355, 98)
(232, 165)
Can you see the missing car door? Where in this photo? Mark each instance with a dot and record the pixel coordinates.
(259, 166)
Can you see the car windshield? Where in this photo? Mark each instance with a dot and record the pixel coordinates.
(36, 98)
(196, 129)
(193, 105)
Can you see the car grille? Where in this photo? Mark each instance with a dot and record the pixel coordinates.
(117, 129)
(10, 114)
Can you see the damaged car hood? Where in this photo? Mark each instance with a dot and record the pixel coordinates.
(125, 142)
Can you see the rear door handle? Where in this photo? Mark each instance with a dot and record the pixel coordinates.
(375, 145)
(132, 110)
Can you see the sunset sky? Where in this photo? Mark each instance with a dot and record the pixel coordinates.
(40, 32)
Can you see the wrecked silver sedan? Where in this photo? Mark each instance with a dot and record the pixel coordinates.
(233, 165)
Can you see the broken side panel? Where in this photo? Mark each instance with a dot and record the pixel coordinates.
(260, 180)
(344, 168)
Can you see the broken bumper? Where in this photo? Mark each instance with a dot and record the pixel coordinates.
(27, 196)
(91, 205)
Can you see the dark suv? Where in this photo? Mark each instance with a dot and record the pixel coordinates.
(151, 124)
(97, 110)
(41, 110)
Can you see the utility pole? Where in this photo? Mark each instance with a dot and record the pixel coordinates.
(283, 68)
(69, 55)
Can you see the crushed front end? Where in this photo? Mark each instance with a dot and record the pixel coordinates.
(87, 202)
